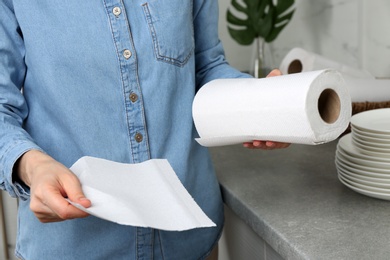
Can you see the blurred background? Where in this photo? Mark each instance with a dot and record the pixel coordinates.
(353, 32)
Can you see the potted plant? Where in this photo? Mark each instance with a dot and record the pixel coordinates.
(264, 20)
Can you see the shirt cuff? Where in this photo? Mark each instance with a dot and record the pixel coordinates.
(13, 153)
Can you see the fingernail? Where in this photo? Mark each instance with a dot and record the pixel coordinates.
(270, 144)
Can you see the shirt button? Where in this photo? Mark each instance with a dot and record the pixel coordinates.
(133, 97)
(127, 54)
(138, 137)
(116, 11)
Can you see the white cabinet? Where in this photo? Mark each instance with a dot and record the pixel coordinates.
(8, 217)
(239, 241)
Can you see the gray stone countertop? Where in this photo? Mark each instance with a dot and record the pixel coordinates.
(293, 199)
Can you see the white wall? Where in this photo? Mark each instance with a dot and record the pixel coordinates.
(353, 32)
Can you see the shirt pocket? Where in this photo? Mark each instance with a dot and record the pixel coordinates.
(171, 29)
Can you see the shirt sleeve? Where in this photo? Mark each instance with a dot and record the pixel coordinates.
(14, 140)
(209, 54)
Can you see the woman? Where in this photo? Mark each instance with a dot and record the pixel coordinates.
(111, 79)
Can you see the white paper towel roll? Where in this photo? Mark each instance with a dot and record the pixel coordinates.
(368, 90)
(308, 108)
(363, 87)
(300, 60)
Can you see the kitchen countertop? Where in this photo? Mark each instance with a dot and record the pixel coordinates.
(293, 200)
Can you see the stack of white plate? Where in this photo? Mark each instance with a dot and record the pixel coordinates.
(363, 156)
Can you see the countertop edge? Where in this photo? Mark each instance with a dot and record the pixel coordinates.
(260, 227)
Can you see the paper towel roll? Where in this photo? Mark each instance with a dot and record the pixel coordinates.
(300, 60)
(363, 87)
(368, 90)
(308, 108)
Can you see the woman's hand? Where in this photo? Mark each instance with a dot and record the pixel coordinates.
(267, 145)
(50, 184)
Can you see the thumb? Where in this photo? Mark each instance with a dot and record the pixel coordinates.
(274, 73)
(83, 201)
(75, 193)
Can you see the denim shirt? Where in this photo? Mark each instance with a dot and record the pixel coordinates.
(112, 79)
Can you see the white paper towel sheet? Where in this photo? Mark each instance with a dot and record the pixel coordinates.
(299, 60)
(307, 108)
(147, 194)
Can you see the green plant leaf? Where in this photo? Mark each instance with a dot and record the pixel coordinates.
(243, 37)
(283, 5)
(235, 20)
(238, 6)
(264, 18)
(282, 18)
(265, 25)
(276, 30)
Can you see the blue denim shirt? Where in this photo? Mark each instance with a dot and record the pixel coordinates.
(116, 80)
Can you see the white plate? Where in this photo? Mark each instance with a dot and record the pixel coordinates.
(364, 182)
(371, 139)
(364, 169)
(370, 148)
(366, 187)
(364, 162)
(363, 177)
(348, 168)
(365, 151)
(375, 121)
(385, 137)
(374, 145)
(385, 146)
(384, 153)
(377, 195)
(345, 144)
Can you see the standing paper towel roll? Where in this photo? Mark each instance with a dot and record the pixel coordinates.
(300, 60)
(363, 87)
(307, 108)
(368, 90)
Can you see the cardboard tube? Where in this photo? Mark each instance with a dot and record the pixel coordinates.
(329, 106)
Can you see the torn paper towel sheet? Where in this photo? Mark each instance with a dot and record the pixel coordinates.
(147, 194)
(307, 108)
